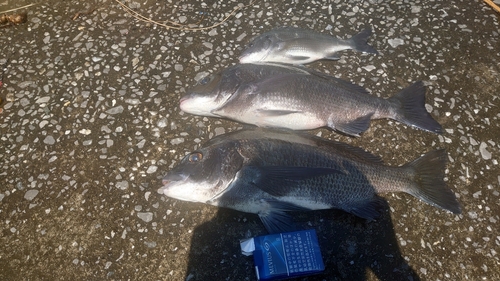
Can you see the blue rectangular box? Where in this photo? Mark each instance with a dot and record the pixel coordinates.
(283, 255)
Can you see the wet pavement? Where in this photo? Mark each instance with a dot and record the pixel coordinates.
(91, 123)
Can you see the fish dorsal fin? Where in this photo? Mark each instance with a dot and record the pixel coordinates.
(357, 153)
(347, 84)
(337, 81)
(277, 82)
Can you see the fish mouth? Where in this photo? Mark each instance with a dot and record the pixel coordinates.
(246, 58)
(164, 187)
(183, 99)
(170, 180)
(173, 178)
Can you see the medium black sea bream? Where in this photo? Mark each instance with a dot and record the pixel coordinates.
(296, 98)
(271, 172)
(292, 45)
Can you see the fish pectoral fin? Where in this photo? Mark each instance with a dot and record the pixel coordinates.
(353, 128)
(299, 58)
(368, 210)
(276, 180)
(276, 219)
(333, 56)
(276, 112)
(277, 222)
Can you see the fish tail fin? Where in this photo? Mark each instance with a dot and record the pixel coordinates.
(359, 42)
(429, 185)
(410, 108)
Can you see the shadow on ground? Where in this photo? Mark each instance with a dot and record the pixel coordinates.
(352, 248)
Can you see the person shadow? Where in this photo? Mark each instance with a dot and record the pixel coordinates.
(353, 248)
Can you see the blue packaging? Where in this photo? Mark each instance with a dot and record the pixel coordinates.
(285, 255)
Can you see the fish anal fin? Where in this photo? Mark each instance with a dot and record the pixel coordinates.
(369, 210)
(354, 127)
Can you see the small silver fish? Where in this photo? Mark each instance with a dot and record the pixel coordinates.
(292, 45)
(271, 95)
(269, 173)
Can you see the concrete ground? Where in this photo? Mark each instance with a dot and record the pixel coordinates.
(90, 123)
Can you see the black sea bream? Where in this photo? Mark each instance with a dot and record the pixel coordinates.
(271, 172)
(278, 96)
(292, 45)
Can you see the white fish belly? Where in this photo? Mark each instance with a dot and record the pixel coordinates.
(293, 121)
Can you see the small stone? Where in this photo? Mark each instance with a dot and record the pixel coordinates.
(31, 194)
(140, 144)
(85, 131)
(219, 131)
(239, 38)
(115, 110)
(43, 123)
(484, 153)
(395, 42)
(145, 216)
(369, 67)
(213, 32)
(200, 75)
(42, 100)
(177, 141)
(122, 185)
(162, 123)
(49, 140)
(152, 169)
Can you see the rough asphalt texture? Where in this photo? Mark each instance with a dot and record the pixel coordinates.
(91, 123)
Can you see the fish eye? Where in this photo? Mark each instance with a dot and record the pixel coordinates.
(195, 157)
(205, 80)
(250, 45)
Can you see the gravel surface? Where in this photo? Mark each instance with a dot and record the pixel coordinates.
(90, 123)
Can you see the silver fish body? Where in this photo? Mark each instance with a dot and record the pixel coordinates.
(271, 172)
(272, 95)
(292, 45)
